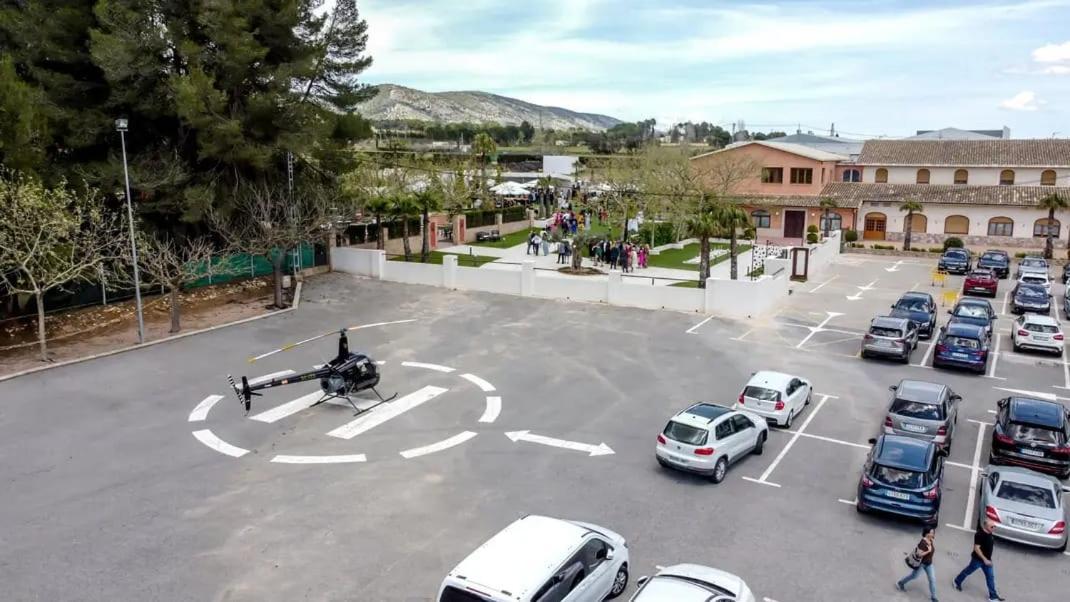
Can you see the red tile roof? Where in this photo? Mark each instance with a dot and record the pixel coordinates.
(1048, 152)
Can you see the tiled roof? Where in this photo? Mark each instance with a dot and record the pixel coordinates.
(788, 201)
(787, 147)
(851, 194)
(1047, 152)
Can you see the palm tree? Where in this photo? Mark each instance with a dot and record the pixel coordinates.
(731, 217)
(404, 207)
(378, 206)
(427, 200)
(703, 225)
(827, 205)
(483, 146)
(1052, 203)
(911, 207)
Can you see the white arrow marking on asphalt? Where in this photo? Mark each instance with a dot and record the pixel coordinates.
(592, 450)
(457, 439)
(494, 407)
(281, 459)
(201, 411)
(894, 268)
(861, 289)
(373, 418)
(209, 438)
(1039, 394)
(277, 413)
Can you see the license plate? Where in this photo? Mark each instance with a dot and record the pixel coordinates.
(914, 428)
(979, 289)
(1025, 524)
(960, 356)
(881, 343)
(1036, 453)
(1040, 338)
(897, 495)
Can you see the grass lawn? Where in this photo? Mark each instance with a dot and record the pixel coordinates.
(509, 240)
(686, 284)
(675, 258)
(436, 258)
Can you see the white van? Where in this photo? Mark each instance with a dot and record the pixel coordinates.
(542, 559)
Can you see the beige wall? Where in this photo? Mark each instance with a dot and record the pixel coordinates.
(764, 156)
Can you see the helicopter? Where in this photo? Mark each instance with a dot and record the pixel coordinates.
(340, 378)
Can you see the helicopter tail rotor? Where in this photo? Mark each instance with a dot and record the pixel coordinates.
(245, 396)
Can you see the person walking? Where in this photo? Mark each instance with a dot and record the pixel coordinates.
(633, 257)
(562, 251)
(981, 558)
(536, 242)
(921, 559)
(614, 255)
(545, 244)
(531, 243)
(596, 252)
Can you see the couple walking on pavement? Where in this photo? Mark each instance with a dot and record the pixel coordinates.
(921, 560)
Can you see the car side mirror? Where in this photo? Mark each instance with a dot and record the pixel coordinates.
(873, 441)
(609, 555)
(956, 398)
(893, 387)
(642, 581)
(949, 311)
(1066, 489)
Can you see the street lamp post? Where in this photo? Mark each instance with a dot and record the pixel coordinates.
(121, 127)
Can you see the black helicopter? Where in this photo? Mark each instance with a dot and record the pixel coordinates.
(340, 378)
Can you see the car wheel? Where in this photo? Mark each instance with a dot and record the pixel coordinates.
(1014, 343)
(790, 419)
(809, 396)
(620, 582)
(906, 358)
(865, 355)
(1061, 548)
(719, 470)
(759, 447)
(860, 507)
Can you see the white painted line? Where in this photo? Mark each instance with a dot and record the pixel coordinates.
(479, 382)
(208, 438)
(960, 528)
(494, 407)
(894, 268)
(277, 413)
(995, 358)
(815, 329)
(380, 362)
(744, 335)
(267, 377)
(435, 367)
(1006, 299)
(281, 459)
(861, 289)
(914, 287)
(925, 358)
(768, 600)
(457, 439)
(753, 480)
(959, 465)
(592, 450)
(848, 502)
(697, 326)
(991, 411)
(1038, 394)
(818, 287)
(827, 439)
(974, 473)
(373, 418)
(1066, 375)
(769, 470)
(201, 411)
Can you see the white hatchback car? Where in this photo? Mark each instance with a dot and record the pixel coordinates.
(775, 396)
(542, 558)
(705, 438)
(692, 583)
(1037, 279)
(1034, 331)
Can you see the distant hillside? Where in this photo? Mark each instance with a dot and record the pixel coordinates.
(398, 102)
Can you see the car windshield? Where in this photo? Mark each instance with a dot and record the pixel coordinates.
(1045, 328)
(1037, 280)
(918, 409)
(955, 254)
(913, 304)
(992, 257)
(897, 477)
(1034, 263)
(1031, 433)
(971, 311)
(880, 331)
(678, 431)
(1031, 292)
(1026, 494)
(963, 342)
(981, 275)
(452, 594)
(761, 393)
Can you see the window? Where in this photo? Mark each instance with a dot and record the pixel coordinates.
(1006, 177)
(852, 175)
(1001, 226)
(772, 175)
(1047, 177)
(962, 176)
(835, 222)
(919, 223)
(741, 423)
(594, 553)
(802, 175)
(957, 224)
(724, 430)
(923, 176)
(881, 176)
(1042, 226)
(684, 433)
(760, 218)
(875, 222)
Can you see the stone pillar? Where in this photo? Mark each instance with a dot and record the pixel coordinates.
(458, 229)
(449, 271)
(709, 301)
(613, 292)
(379, 265)
(531, 218)
(527, 278)
(498, 221)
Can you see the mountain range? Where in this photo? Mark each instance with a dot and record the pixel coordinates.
(395, 102)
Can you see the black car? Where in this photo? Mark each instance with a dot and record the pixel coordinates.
(920, 309)
(955, 261)
(1066, 272)
(1032, 298)
(997, 261)
(1033, 433)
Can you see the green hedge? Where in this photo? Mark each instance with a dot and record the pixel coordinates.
(514, 214)
(663, 233)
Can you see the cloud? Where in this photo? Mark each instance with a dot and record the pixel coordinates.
(1026, 100)
(1056, 70)
(1053, 53)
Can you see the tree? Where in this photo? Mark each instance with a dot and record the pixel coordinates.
(426, 200)
(483, 147)
(403, 207)
(703, 225)
(378, 206)
(1052, 203)
(174, 264)
(911, 207)
(723, 172)
(827, 205)
(339, 40)
(23, 122)
(731, 217)
(527, 132)
(52, 237)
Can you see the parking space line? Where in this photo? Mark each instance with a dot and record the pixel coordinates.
(764, 479)
(1006, 299)
(995, 357)
(697, 326)
(818, 287)
(439, 446)
(975, 471)
(1066, 374)
(818, 328)
(925, 358)
(848, 502)
(279, 412)
(434, 367)
(753, 480)
(742, 336)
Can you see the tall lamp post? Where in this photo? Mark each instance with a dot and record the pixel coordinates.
(121, 127)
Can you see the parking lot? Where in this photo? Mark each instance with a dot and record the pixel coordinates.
(138, 477)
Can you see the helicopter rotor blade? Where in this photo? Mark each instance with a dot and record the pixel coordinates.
(290, 346)
(351, 328)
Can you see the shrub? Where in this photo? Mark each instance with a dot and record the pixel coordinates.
(663, 233)
(936, 249)
(850, 235)
(812, 228)
(749, 233)
(1020, 255)
(884, 247)
(953, 242)
(811, 237)
(514, 214)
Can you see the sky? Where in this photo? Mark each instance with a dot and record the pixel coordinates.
(874, 68)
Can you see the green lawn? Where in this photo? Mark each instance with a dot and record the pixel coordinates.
(675, 258)
(509, 240)
(436, 259)
(686, 284)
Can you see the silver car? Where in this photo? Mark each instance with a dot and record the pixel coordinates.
(1032, 265)
(923, 410)
(705, 438)
(1026, 506)
(891, 337)
(692, 583)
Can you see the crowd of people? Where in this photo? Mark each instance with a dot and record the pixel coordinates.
(619, 254)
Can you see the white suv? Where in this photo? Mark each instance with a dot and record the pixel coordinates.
(692, 583)
(705, 438)
(542, 559)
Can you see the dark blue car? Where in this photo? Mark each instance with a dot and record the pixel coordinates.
(997, 261)
(974, 311)
(962, 345)
(902, 475)
(920, 309)
(955, 261)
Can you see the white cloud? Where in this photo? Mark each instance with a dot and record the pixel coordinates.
(1056, 70)
(1053, 53)
(1026, 100)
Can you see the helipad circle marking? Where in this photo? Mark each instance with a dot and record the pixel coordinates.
(494, 407)
(207, 437)
(284, 459)
(446, 443)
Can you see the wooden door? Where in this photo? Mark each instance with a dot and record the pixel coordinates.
(794, 224)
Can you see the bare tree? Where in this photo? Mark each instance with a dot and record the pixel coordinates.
(51, 238)
(723, 172)
(266, 223)
(175, 265)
